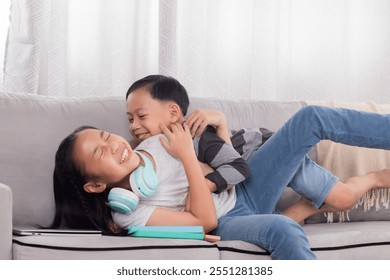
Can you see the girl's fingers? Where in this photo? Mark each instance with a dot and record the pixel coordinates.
(176, 127)
(164, 143)
(166, 131)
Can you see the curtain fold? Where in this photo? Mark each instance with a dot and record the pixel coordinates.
(232, 49)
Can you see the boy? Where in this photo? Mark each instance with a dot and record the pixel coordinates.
(158, 99)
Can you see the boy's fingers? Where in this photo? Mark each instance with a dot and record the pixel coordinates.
(193, 117)
(201, 128)
(185, 126)
(189, 120)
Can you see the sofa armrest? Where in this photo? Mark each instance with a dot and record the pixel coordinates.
(5, 222)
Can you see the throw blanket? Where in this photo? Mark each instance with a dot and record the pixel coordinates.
(347, 161)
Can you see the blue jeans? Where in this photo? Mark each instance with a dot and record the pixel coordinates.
(282, 161)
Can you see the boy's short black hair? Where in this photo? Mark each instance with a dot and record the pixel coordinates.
(163, 88)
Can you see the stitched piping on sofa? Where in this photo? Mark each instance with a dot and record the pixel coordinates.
(242, 251)
(352, 246)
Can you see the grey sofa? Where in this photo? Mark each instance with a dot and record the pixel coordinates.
(31, 128)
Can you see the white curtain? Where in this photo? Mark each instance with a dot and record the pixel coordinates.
(4, 23)
(231, 49)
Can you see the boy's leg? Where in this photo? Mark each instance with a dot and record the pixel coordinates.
(314, 183)
(281, 236)
(344, 195)
(303, 209)
(276, 162)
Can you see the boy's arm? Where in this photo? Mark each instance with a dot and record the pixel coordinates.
(201, 118)
(229, 167)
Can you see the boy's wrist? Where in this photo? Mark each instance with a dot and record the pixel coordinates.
(211, 185)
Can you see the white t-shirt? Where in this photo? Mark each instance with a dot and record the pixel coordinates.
(172, 188)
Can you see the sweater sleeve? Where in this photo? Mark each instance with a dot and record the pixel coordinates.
(247, 140)
(229, 167)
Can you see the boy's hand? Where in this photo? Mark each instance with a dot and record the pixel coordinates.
(180, 143)
(206, 168)
(200, 118)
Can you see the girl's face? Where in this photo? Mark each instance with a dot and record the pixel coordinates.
(145, 114)
(104, 158)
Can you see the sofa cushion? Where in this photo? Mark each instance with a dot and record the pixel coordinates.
(357, 240)
(250, 114)
(31, 129)
(110, 247)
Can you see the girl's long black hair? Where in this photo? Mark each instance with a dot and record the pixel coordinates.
(75, 208)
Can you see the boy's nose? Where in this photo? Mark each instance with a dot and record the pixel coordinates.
(134, 125)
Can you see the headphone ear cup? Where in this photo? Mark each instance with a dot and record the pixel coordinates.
(143, 180)
(122, 200)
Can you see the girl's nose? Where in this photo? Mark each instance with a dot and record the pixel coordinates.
(114, 147)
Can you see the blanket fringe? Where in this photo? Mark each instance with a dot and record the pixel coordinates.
(375, 198)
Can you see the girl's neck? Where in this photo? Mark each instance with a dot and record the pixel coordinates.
(125, 183)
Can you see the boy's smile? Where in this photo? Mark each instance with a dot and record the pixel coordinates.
(145, 114)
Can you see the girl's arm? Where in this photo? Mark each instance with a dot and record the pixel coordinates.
(202, 210)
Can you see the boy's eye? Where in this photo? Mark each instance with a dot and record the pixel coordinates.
(130, 120)
(142, 117)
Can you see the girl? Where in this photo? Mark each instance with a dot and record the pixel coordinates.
(90, 161)
(248, 212)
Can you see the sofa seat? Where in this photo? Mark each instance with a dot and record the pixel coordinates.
(366, 240)
(110, 247)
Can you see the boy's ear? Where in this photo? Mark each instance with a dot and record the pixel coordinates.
(175, 112)
(92, 187)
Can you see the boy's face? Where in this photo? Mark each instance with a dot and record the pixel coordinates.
(103, 157)
(145, 114)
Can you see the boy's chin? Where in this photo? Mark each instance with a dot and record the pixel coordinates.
(143, 137)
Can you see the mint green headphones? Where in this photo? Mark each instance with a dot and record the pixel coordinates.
(143, 182)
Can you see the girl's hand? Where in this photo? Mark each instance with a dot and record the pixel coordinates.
(180, 143)
(200, 118)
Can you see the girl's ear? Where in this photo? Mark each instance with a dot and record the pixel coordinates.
(175, 112)
(92, 187)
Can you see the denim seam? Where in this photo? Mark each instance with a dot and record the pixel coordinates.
(325, 192)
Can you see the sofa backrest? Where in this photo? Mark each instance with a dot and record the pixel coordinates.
(32, 126)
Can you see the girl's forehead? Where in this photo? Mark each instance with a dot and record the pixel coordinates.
(86, 139)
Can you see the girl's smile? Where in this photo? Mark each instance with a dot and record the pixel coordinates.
(105, 158)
